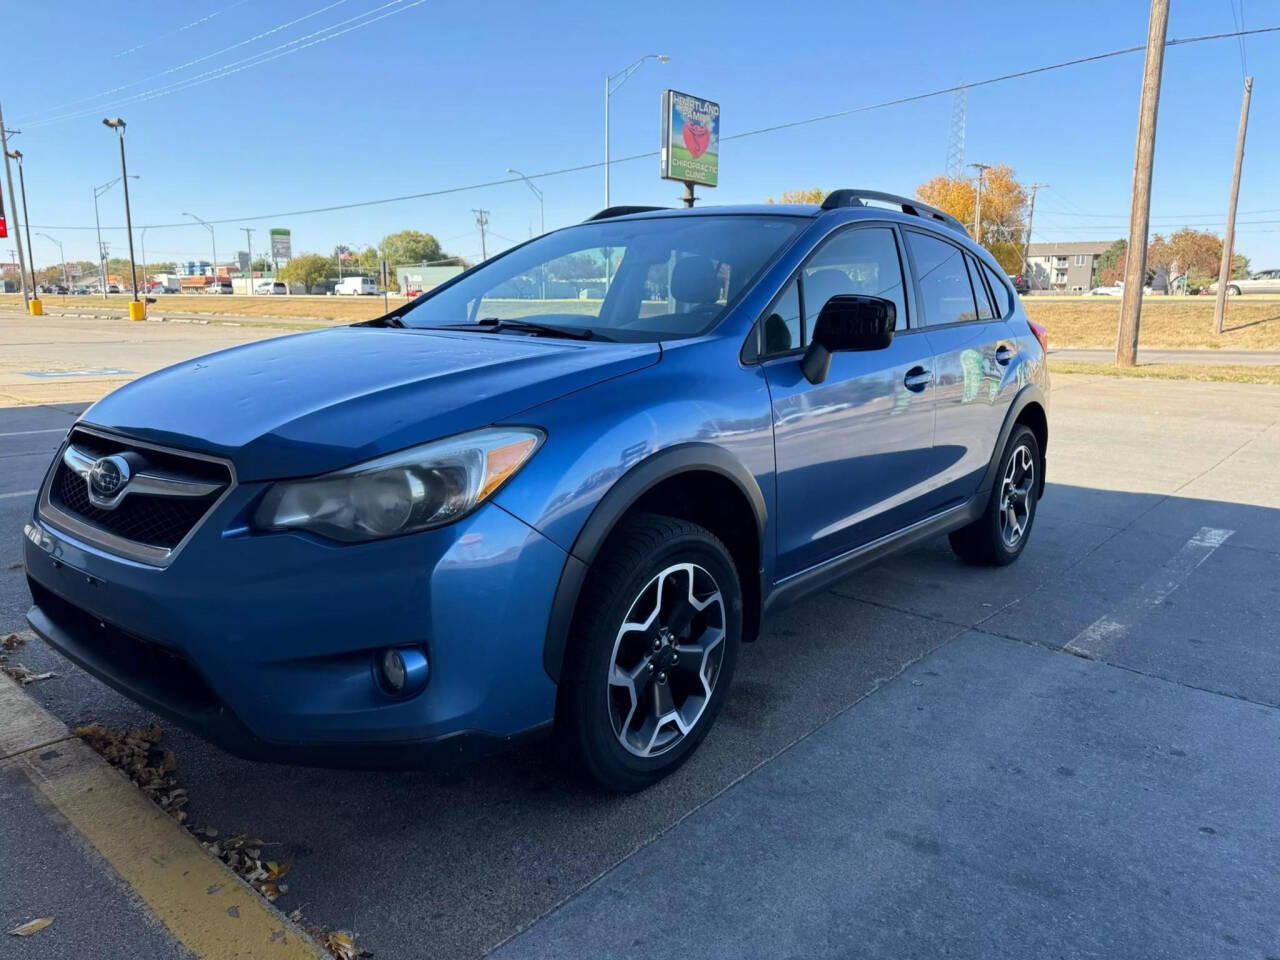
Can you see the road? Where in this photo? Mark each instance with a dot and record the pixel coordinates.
(1245, 358)
(928, 759)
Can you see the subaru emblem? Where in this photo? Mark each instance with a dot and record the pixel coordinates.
(108, 476)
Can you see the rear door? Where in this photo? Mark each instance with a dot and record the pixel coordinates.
(853, 452)
(973, 347)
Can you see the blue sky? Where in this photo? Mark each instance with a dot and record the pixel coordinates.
(444, 95)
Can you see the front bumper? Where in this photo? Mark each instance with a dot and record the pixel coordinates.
(266, 644)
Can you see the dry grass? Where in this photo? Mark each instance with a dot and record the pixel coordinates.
(1166, 323)
(1218, 373)
(1169, 323)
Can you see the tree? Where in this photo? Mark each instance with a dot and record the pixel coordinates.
(813, 195)
(410, 246)
(1004, 207)
(1239, 267)
(1110, 266)
(1195, 254)
(308, 270)
(262, 265)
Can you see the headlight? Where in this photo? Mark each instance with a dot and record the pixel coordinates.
(415, 489)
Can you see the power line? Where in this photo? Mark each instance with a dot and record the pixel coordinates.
(191, 63)
(323, 35)
(502, 181)
(194, 23)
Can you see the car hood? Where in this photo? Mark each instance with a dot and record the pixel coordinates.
(312, 402)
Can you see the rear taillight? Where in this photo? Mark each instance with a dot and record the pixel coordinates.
(1041, 334)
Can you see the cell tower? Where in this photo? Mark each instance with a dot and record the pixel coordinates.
(955, 139)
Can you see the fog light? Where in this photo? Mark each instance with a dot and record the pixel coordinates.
(404, 670)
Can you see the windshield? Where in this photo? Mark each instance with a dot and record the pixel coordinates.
(632, 280)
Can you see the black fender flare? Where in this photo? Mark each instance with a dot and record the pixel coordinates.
(626, 490)
(1028, 395)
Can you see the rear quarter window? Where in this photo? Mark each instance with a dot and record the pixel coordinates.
(999, 290)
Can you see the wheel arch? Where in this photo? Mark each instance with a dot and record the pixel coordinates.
(1028, 408)
(676, 481)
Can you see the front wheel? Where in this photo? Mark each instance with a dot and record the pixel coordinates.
(998, 536)
(1233, 290)
(653, 650)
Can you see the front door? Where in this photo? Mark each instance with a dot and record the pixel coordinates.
(853, 451)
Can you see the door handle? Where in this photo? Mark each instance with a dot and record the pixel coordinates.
(1005, 353)
(917, 379)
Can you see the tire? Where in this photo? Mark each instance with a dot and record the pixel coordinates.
(1233, 290)
(998, 537)
(607, 717)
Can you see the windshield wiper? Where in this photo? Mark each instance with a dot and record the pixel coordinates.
(525, 326)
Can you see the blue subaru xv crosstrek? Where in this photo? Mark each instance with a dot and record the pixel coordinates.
(558, 491)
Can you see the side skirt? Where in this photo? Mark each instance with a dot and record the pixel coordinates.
(799, 585)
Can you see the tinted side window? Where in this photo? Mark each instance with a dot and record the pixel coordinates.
(944, 283)
(985, 311)
(780, 329)
(1000, 291)
(863, 260)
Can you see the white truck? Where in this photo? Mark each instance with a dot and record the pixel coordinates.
(355, 287)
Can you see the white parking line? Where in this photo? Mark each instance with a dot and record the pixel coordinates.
(1097, 638)
(19, 493)
(27, 433)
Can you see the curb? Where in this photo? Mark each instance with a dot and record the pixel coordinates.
(199, 900)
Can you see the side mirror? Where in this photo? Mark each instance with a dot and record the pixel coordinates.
(848, 322)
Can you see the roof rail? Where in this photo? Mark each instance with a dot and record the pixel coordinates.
(608, 212)
(918, 208)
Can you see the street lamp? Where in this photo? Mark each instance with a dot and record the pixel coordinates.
(61, 256)
(610, 87)
(214, 240)
(142, 242)
(26, 220)
(102, 257)
(542, 219)
(117, 124)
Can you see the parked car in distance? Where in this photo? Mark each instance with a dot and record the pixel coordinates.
(1264, 281)
(113, 288)
(219, 287)
(486, 516)
(271, 288)
(1019, 282)
(80, 291)
(1110, 290)
(356, 286)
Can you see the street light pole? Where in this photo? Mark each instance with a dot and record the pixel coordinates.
(26, 219)
(118, 124)
(61, 256)
(102, 256)
(610, 88)
(213, 240)
(248, 240)
(13, 203)
(542, 219)
(142, 242)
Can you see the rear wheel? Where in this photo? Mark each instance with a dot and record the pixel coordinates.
(1000, 534)
(1233, 290)
(653, 651)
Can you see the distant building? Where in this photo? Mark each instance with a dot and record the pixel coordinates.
(1065, 267)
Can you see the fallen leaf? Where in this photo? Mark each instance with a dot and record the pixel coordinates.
(12, 642)
(30, 927)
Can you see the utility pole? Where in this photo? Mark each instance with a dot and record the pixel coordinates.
(1229, 239)
(13, 205)
(482, 221)
(1135, 264)
(248, 242)
(1031, 216)
(982, 169)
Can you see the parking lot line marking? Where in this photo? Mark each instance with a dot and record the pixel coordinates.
(1097, 638)
(19, 493)
(206, 907)
(27, 433)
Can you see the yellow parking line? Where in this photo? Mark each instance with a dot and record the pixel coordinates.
(210, 910)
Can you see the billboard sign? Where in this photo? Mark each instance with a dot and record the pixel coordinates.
(281, 247)
(690, 138)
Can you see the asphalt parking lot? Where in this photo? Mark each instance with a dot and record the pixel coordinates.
(1076, 756)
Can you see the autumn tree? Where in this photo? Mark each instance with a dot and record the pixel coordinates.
(814, 195)
(1110, 265)
(1196, 254)
(1004, 209)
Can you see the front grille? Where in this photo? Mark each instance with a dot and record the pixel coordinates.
(155, 521)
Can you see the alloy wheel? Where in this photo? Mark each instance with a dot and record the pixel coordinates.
(1015, 496)
(666, 660)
